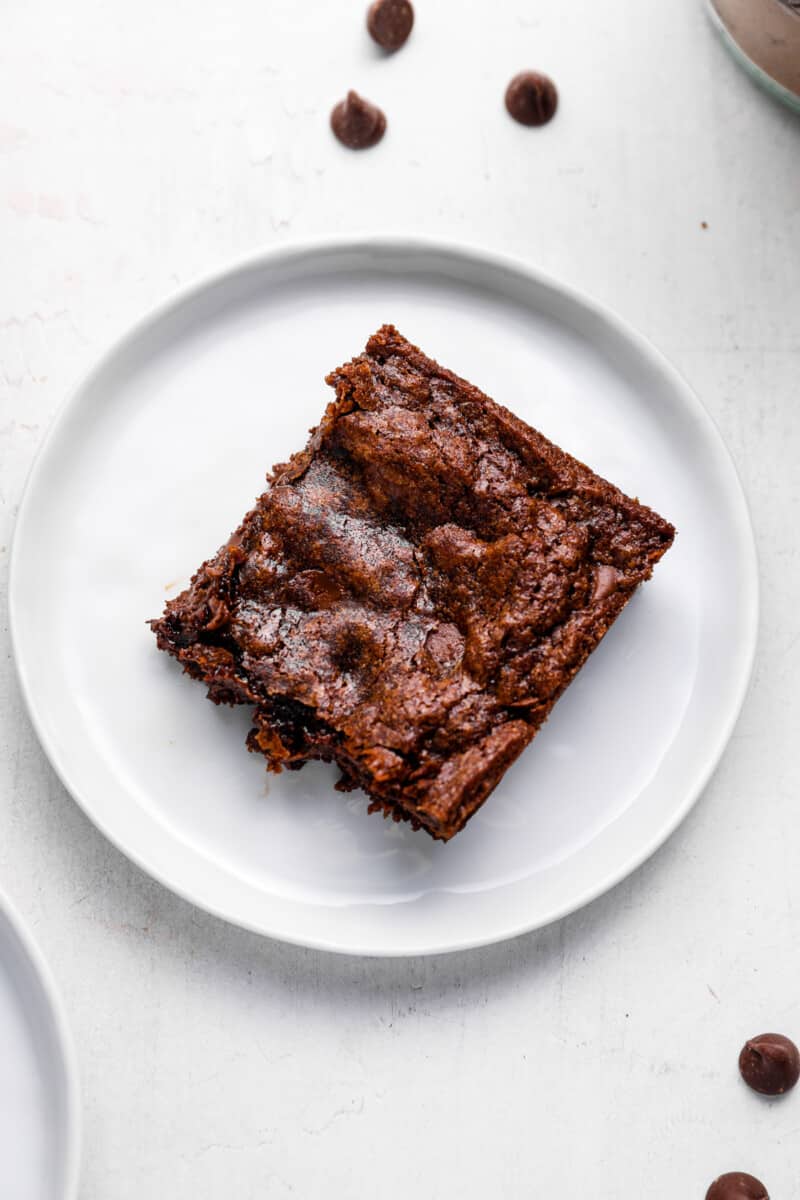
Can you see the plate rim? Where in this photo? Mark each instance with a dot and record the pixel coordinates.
(296, 251)
(64, 1038)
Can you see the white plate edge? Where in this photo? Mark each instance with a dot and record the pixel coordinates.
(300, 249)
(64, 1038)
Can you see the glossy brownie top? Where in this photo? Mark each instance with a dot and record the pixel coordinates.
(414, 589)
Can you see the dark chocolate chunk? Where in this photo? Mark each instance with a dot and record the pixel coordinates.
(390, 22)
(357, 123)
(606, 581)
(770, 1064)
(532, 98)
(737, 1186)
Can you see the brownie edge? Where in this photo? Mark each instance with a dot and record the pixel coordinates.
(413, 590)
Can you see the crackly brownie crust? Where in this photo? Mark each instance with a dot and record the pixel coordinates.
(414, 590)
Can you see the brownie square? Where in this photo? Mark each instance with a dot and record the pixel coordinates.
(414, 590)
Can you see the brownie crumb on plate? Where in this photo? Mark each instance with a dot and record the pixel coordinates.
(414, 590)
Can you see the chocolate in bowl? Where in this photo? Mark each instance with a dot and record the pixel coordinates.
(764, 37)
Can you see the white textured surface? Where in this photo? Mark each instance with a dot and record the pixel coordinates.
(142, 144)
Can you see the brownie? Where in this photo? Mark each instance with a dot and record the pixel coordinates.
(414, 590)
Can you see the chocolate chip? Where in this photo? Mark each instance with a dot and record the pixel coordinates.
(606, 582)
(357, 123)
(390, 22)
(737, 1186)
(770, 1064)
(531, 98)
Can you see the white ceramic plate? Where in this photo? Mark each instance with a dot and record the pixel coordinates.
(156, 457)
(39, 1103)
